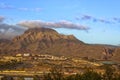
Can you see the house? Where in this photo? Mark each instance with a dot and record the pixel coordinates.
(18, 55)
(26, 55)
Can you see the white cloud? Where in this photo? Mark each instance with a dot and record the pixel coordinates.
(94, 19)
(9, 31)
(60, 24)
(2, 18)
(6, 6)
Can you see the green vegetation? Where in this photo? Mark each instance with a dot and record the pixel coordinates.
(57, 73)
(9, 64)
(36, 77)
(7, 78)
(89, 74)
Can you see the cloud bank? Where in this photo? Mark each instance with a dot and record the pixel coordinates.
(2, 18)
(60, 24)
(9, 31)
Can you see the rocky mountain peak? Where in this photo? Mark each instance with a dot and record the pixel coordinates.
(45, 40)
(37, 30)
(39, 34)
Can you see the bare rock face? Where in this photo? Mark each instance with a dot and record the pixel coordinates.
(40, 40)
(45, 40)
(38, 34)
(46, 36)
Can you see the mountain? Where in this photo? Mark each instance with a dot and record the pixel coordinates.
(48, 41)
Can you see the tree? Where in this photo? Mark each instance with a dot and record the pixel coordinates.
(36, 77)
(20, 78)
(7, 78)
(55, 74)
(109, 73)
(89, 74)
(74, 77)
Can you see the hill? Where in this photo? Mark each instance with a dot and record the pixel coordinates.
(48, 41)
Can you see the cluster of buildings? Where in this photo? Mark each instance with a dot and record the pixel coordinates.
(28, 56)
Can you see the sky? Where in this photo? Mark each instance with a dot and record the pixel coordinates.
(91, 21)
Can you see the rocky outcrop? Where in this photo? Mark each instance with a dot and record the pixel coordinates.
(38, 34)
(45, 40)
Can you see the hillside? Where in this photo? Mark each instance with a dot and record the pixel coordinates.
(48, 41)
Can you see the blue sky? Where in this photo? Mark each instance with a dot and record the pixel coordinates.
(102, 18)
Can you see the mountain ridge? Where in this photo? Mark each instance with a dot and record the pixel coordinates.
(49, 41)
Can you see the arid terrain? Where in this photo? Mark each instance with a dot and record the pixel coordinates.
(38, 50)
(48, 41)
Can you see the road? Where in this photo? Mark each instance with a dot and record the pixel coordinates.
(20, 73)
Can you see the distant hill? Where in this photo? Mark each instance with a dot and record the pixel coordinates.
(48, 41)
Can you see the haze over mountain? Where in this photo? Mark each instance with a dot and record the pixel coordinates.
(48, 41)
